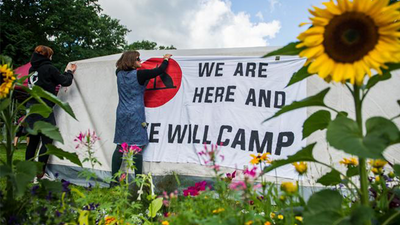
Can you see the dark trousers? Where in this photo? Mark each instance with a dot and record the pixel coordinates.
(117, 161)
(34, 141)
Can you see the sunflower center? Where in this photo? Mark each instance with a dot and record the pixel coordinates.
(350, 36)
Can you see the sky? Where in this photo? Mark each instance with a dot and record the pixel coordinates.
(197, 24)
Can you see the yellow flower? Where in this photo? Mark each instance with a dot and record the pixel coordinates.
(7, 76)
(250, 222)
(376, 170)
(377, 178)
(267, 223)
(289, 187)
(280, 217)
(377, 163)
(110, 220)
(272, 215)
(260, 158)
(218, 210)
(301, 167)
(299, 218)
(165, 222)
(282, 198)
(348, 39)
(349, 162)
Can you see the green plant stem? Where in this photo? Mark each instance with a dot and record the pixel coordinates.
(364, 195)
(391, 217)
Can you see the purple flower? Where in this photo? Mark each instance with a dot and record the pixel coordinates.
(49, 196)
(58, 214)
(34, 190)
(65, 185)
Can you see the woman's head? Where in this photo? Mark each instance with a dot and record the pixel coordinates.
(44, 51)
(129, 60)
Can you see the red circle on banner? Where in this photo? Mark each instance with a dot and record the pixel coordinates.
(163, 88)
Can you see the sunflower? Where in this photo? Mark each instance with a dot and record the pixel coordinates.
(348, 39)
(7, 79)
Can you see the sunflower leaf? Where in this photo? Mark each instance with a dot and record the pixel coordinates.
(315, 100)
(304, 155)
(317, 121)
(289, 49)
(61, 154)
(375, 79)
(353, 171)
(344, 134)
(331, 178)
(300, 75)
(47, 129)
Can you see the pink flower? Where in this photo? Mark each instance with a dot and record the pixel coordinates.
(251, 173)
(122, 177)
(195, 190)
(231, 176)
(125, 148)
(238, 185)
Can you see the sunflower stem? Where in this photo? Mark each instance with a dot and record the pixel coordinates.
(364, 194)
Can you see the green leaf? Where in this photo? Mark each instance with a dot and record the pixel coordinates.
(353, 171)
(40, 109)
(47, 129)
(53, 186)
(376, 78)
(289, 49)
(61, 154)
(396, 169)
(154, 207)
(324, 207)
(304, 155)
(344, 134)
(315, 100)
(385, 75)
(20, 81)
(317, 121)
(361, 214)
(300, 75)
(4, 104)
(331, 178)
(25, 171)
(38, 92)
(383, 128)
(324, 217)
(5, 171)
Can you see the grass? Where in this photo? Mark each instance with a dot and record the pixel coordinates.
(19, 154)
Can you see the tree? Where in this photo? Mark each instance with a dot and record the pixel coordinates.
(147, 45)
(74, 29)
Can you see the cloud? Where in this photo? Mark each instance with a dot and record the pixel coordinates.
(190, 24)
(260, 16)
(273, 4)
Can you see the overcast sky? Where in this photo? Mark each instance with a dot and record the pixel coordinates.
(191, 24)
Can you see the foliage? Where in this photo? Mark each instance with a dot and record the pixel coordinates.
(74, 29)
(147, 45)
(19, 174)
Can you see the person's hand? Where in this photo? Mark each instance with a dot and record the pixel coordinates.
(71, 67)
(167, 56)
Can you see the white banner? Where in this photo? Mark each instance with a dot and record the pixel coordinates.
(203, 100)
(224, 100)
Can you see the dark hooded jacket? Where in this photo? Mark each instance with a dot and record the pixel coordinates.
(47, 76)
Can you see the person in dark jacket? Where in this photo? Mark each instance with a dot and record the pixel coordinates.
(47, 77)
(131, 123)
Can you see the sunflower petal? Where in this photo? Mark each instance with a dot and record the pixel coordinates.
(338, 72)
(332, 8)
(313, 40)
(312, 52)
